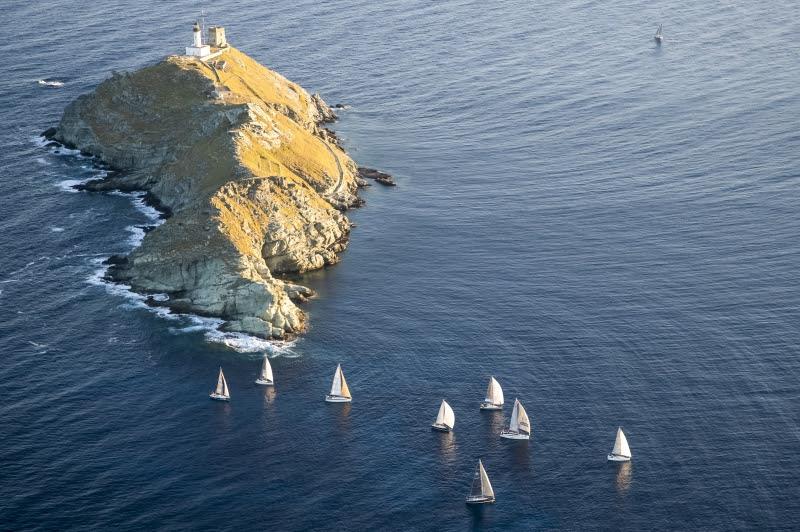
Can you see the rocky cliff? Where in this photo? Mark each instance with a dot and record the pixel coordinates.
(253, 185)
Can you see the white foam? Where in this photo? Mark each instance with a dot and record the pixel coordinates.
(241, 342)
(54, 83)
(56, 229)
(40, 141)
(68, 185)
(136, 235)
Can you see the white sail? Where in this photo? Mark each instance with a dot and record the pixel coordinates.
(486, 486)
(494, 393)
(336, 387)
(621, 445)
(266, 370)
(222, 385)
(513, 426)
(446, 415)
(523, 423)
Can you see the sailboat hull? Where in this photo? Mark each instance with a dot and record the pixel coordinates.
(618, 458)
(219, 397)
(514, 435)
(491, 406)
(337, 399)
(480, 499)
(265, 382)
(440, 428)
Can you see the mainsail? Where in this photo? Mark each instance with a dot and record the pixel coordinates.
(336, 387)
(476, 490)
(494, 393)
(621, 445)
(446, 415)
(519, 419)
(222, 385)
(266, 370)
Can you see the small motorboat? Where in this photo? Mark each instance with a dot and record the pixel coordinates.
(659, 36)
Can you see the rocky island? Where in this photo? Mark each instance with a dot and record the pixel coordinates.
(252, 185)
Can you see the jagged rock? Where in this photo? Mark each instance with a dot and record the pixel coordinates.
(381, 177)
(252, 185)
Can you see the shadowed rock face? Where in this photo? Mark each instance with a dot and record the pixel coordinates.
(253, 184)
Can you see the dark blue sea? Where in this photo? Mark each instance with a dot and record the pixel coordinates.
(608, 226)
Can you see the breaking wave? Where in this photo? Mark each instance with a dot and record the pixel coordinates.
(185, 323)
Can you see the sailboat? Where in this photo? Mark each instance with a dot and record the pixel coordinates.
(621, 452)
(446, 419)
(659, 36)
(519, 428)
(265, 377)
(481, 491)
(221, 392)
(340, 392)
(494, 396)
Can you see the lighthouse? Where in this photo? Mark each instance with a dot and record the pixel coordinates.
(198, 49)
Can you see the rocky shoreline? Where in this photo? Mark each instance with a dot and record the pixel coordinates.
(252, 186)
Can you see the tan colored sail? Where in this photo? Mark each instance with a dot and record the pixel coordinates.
(345, 388)
(523, 423)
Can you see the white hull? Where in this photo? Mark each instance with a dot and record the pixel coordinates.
(219, 397)
(618, 458)
(337, 399)
(515, 435)
(480, 499)
(264, 382)
(441, 428)
(491, 406)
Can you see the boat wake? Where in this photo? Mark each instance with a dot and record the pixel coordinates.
(52, 83)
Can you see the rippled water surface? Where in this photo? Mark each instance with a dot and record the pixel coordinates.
(607, 226)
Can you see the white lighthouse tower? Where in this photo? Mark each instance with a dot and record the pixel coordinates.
(198, 49)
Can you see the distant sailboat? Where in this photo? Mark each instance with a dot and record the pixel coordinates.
(340, 392)
(659, 36)
(446, 419)
(494, 396)
(221, 392)
(519, 428)
(481, 491)
(621, 452)
(265, 377)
